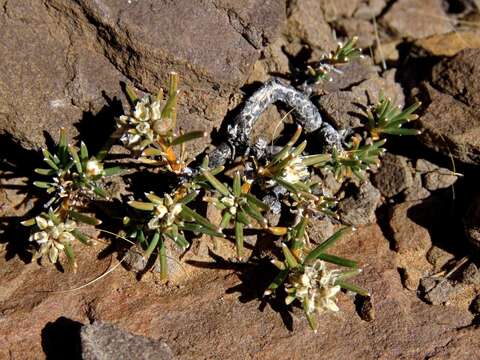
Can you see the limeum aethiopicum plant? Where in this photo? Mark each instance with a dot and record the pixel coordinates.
(270, 181)
(72, 179)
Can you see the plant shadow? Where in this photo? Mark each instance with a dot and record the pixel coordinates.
(17, 175)
(255, 276)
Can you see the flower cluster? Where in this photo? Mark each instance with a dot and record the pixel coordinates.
(143, 124)
(314, 286)
(52, 236)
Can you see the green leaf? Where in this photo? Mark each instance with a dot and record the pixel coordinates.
(227, 216)
(154, 198)
(286, 149)
(42, 184)
(139, 205)
(188, 137)
(169, 109)
(70, 255)
(113, 171)
(299, 149)
(196, 228)
(177, 237)
(29, 222)
(289, 258)
(100, 192)
(216, 183)
(351, 287)
(255, 201)
(162, 256)
(84, 218)
(348, 274)
(189, 214)
(401, 131)
(254, 213)
(76, 159)
(314, 160)
(141, 238)
(239, 237)
(62, 146)
(337, 260)
(51, 163)
(83, 152)
(81, 237)
(151, 247)
(45, 172)
(312, 321)
(277, 282)
(237, 186)
(327, 244)
(189, 197)
(131, 95)
(242, 217)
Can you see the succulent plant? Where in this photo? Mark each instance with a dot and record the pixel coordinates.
(55, 232)
(343, 54)
(74, 175)
(237, 205)
(305, 277)
(284, 180)
(150, 128)
(169, 218)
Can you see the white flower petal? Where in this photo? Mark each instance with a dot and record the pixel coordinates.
(42, 223)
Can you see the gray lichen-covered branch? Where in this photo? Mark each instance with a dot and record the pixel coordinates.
(304, 111)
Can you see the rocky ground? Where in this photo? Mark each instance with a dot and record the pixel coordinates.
(65, 63)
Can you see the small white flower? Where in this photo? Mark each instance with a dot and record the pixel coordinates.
(52, 237)
(40, 237)
(295, 171)
(143, 128)
(228, 201)
(142, 111)
(42, 223)
(156, 108)
(160, 211)
(94, 167)
(315, 287)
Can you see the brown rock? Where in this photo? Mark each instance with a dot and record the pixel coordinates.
(386, 51)
(343, 108)
(197, 317)
(450, 44)
(417, 18)
(357, 27)
(462, 347)
(306, 22)
(438, 257)
(368, 9)
(393, 176)
(411, 241)
(440, 179)
(471, 275)
(451, 127)
(75, 50)
(334, 10)
(416, 191)
(460, 77)
(434, 176)
(409, 237)
(436, 291)
(358, 208)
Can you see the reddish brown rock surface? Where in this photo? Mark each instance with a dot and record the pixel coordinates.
(214, 315)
